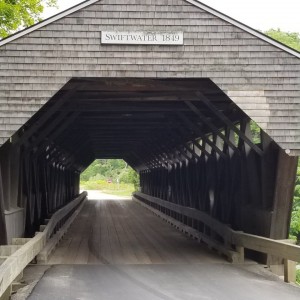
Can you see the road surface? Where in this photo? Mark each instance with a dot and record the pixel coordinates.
(117, 249)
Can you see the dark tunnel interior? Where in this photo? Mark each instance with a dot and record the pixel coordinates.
(190, 143)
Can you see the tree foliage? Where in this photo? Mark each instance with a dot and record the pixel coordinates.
(255, 132)
(291, 39)
(295, 221)
(17, 14)
(115, 170)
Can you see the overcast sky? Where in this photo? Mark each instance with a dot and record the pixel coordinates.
(259, 14)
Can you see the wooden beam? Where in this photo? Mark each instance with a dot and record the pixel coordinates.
(283, 197)
(212, 127)
(3, 234)
(125, 109)
(158, 152)
(181, 140)
(217, 226)
(16, 263)
(59, 124)
(198, 131)
(45, 117)
(226, 121)
(266, 245)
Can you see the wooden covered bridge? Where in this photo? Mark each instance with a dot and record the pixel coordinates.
(178, 91)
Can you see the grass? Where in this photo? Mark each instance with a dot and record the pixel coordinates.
(118, 189)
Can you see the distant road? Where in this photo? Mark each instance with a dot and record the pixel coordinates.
(98, 195)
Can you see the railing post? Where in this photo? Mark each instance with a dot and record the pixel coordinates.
(241, 252)
(289, 271)
(6, 295)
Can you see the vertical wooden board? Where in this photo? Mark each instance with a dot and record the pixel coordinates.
(3, 237)
(283, 196)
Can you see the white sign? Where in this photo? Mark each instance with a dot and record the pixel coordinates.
(142, 38)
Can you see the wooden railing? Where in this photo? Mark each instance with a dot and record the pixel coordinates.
(222, 238)
(14, 264)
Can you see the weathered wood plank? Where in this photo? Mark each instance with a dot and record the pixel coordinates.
(52, 243)
(123, 232)
(283, 196)
(266, 245)
(281, 249)
(230, 254)
(15, 263)
(192, 213)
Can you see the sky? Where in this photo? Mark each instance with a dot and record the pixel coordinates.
(258, 14)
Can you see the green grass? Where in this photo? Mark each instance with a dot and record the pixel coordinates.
(298, 276)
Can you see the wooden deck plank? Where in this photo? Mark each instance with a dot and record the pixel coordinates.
(123, 232)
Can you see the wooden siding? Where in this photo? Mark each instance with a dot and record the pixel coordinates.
(259, 77)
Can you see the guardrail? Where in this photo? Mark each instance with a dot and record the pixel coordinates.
(229, 242)
(14, 265)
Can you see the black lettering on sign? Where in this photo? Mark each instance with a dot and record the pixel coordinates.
(143, 38)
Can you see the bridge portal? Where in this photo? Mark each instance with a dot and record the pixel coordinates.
(205, 108)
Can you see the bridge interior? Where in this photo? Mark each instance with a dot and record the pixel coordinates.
(193, 148)
(190, 143)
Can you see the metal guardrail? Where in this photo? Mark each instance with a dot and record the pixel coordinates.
(230, 238)
(14, 265)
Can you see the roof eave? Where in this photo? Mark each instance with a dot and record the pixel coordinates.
(244, 27)
(193, 2)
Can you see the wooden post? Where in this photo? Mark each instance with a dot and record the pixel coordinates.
(283, 196)
(290, 266)
(268, 171)
(6, 295)
(3, 234)
(5, 173)
(290, 271)
(283, 201)
(241, 251)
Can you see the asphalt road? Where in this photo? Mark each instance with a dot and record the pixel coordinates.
(153, 282)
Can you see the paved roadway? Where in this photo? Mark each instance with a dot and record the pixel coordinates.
(118, 250)
(153, 282)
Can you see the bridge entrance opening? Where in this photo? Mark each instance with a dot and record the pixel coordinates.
(192, 146)
(177, 111)
(189, 142)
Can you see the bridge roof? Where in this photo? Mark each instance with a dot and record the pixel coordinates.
(194, 2)
(240, 70)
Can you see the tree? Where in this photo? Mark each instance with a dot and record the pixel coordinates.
(291, 39)
(17, 14)
(114, 169)
(295, 221)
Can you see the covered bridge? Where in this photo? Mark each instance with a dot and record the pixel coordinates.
(174, 88)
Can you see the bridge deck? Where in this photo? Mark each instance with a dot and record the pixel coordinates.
(119, 250)
(123, 232)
